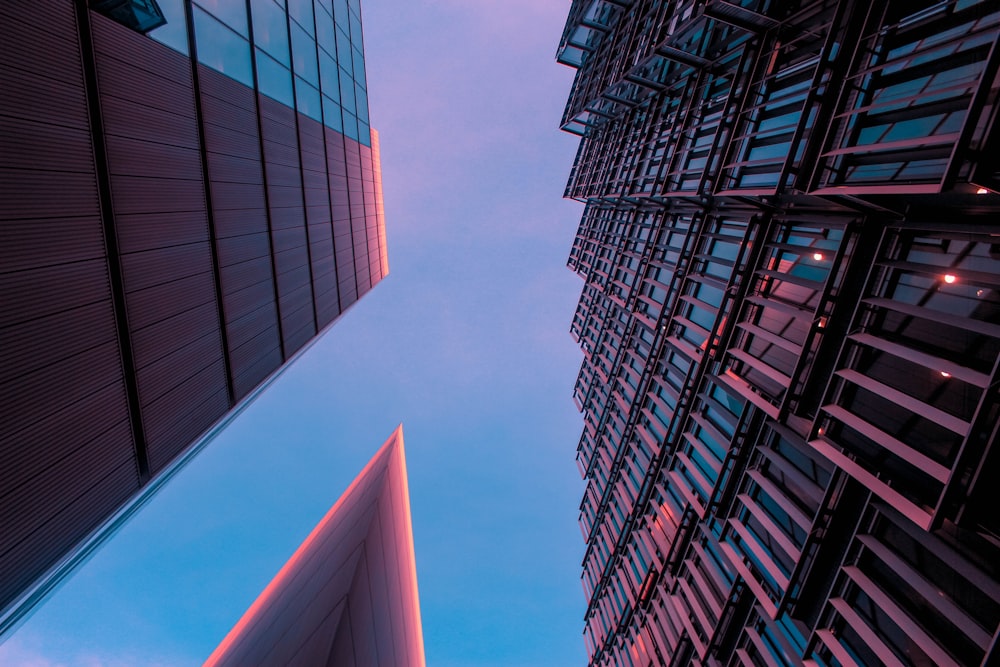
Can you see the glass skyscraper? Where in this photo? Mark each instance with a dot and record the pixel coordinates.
(791, 329)
(190, 193)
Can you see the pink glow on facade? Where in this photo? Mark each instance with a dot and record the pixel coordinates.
(348, 595)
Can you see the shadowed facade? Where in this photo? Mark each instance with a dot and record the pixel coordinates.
(348, 596)
(181, 213)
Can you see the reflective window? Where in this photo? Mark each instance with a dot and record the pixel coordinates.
(331, 114)
(273, 79)
(174, 33)
(356, 31)
(222, 49)
(325, 31)
(269, 29)
(340, 12)
(350, 125)
(343, 49)
(361, 99)
(304, 55)
(302, 11)
(346, 91)
(307, 100)
(359, 68)
(233, 14)
(330, 77)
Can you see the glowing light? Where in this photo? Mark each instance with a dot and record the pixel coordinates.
(820, 431)
(950, 278)
(982, 191)
(818, 256)
(945, 374)
(980, 292)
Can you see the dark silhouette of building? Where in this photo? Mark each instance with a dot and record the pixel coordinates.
(181, 212)
(791, 329)
(348, 595)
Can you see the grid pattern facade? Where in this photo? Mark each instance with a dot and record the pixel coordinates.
(791, 329)
(180, 213)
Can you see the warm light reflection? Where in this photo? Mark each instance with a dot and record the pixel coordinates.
(945, 374)
(949, 278)
(982, 191)
(818, 256)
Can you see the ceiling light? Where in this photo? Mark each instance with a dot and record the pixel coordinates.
(818, 256)
(950, 278)
(982, 191)
(945, 374)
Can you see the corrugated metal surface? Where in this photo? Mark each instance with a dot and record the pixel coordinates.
(336, 163)
(239, 213)
(359, 237)
(156, 170)
(288, 223)
(65, 440)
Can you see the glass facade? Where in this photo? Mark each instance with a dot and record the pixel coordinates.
(789, 323)
(318, 45)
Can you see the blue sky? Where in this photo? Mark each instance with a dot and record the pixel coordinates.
(466, 343)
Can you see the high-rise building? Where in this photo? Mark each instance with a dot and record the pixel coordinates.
(348, 595)
(791, 329)
(189, 194)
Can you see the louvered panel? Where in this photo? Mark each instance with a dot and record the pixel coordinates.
(29, 194)
(155, 195)
(236, 222)
(31, 244)
(44, 341)
(179, 417)
(64, 286)
(128, 156)
(222, 138)
(162, 301)
(289, 238)
(158, 376)
(128, 49)
(36, 95)
(316, 193)
(250, 299)
(158, 340)
(236, 277)
(280, 179)
(290, 216)
(28, 144)
(264, 362)
(162, 265)
(237, 195)
(233, 169)
(147, 123)
(147, 231)
(31, 557)
(237, 249)
(75, 468)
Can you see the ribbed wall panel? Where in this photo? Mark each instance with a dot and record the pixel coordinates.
(65, 441)
(240, 215)
(288, 224)
(74, 321)
(178, 358)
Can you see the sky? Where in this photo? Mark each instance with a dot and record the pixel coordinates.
(466, 343)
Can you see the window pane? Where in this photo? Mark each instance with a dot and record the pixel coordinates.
(340, 12)
(356, 38)
(307, 100)
(304, 55)
(330, 77)
(269, 30)
(222, 49)
(302, 11)
(343, 49)
(365, 133)
(347, 91)
(273, 79)
(359, 68)
(350, 125)
(325, 31)
(331, 114)
(361, 100)
(233, 14)
(174, 33)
